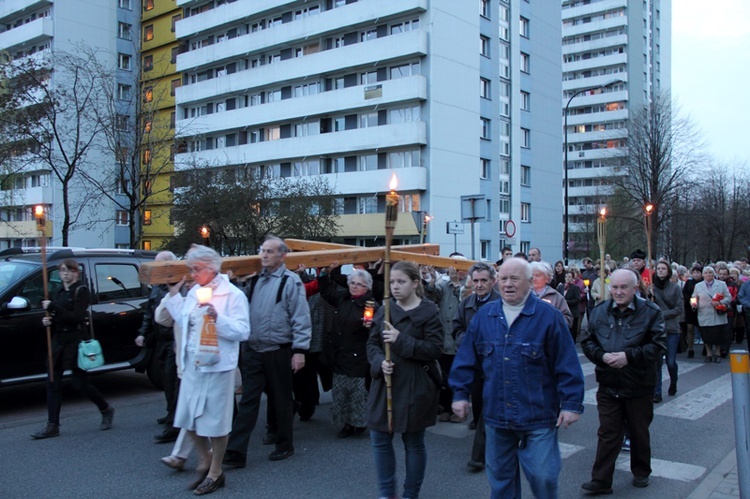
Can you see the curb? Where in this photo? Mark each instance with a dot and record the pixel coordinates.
(713, 479)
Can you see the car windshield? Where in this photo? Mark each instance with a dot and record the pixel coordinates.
(12, 272)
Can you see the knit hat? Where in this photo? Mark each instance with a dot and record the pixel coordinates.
(638, 254)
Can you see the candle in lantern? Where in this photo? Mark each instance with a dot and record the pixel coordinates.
(204, 295)
(368, 314)
(694, 302)
(586, 282)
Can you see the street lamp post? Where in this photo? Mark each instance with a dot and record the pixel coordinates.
(648, 210)
(565, 128)
(601, 225)
(206, 235)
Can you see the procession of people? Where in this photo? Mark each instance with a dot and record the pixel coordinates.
(429, 353)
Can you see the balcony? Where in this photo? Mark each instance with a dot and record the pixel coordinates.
(593, 8)
(377, 181)
(16, 8)
(411, 88)
(603, 136)
(22, 230)
(225, 14)
(363, 139)
(359, 54)
(604, 25)
(595, 62)
(602, 117)
(594, 81)
(306, 30)
(371, 225)
(600, 43)
(31, 33)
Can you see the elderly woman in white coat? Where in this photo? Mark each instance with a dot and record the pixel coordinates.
(712, 322)
(205, 402)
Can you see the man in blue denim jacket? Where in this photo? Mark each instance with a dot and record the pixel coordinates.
(533, 383)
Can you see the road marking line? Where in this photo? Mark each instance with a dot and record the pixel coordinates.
(666, 469)
(590, 395)
(567, 450)
(700, 401)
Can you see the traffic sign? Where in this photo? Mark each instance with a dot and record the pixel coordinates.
(454, 228)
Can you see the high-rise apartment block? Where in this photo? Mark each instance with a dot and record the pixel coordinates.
(455, 98)
(38, 30)
(617, 54)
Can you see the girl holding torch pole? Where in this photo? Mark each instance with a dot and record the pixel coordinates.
(409, 327)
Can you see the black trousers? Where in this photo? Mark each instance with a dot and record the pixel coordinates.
(305, 382)
(446, 394)
(171, 382)
(480, 438)
(64, 356)
(271, 370)
(615, 414)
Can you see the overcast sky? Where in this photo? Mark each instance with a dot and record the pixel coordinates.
(711, 72)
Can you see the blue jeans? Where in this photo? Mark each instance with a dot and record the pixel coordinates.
(673, 341)
(385, 462)
(536, 451)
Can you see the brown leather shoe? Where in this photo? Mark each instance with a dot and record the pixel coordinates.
(209, 485)
(200, 477)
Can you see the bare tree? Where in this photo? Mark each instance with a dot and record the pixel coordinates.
(143, 146)
(54, 120)
(240, 208)
(663, 149)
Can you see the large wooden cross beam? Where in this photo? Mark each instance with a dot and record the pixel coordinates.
(310, 254)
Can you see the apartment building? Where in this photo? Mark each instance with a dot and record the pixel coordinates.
(616, 57)
(456, 101)
(159, 81)
(40, 29)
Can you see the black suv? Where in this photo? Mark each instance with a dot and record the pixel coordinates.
(118, 299)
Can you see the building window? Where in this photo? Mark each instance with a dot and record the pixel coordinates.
(121, 217)
(484, 171)
(525, 175)
(148, 94)
(123, 91)
(123, 61)
(124, 4)
(504, 207)
(484, 8)
(147, 245)
(524, 27)
(505, 187)
(121, 122)
(526, 212)
(525, 247)
(146, 217)
(504, 167)
(488, 211)
(525, 138)
(148, 4)
(485, 128)
(148, 33)
(525, 62)
(484, 46)
(175, 53)
(172, 118)
(147, 123)
(174, 21)
(124, 31)
(148, 63)
(525, 101)
(484, 88)
(484, 252)
(174, 85)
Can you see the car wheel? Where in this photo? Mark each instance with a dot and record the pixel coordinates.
(155, 372)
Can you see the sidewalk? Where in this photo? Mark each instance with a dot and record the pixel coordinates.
(721, 483)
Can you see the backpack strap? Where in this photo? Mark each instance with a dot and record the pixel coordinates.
(279, 292)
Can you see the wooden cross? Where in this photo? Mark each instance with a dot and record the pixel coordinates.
(310, 254)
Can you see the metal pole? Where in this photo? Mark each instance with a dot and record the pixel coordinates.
(740, 367)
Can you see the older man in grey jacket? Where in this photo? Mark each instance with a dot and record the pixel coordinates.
(280, 331)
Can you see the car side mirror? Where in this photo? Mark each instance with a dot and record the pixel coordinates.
(17, 303)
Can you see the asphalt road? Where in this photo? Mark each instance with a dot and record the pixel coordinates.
(690, 437)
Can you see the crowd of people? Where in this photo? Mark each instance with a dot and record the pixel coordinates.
(431, 352)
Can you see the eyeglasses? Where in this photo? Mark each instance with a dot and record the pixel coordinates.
(357, 284)
(196, 270)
